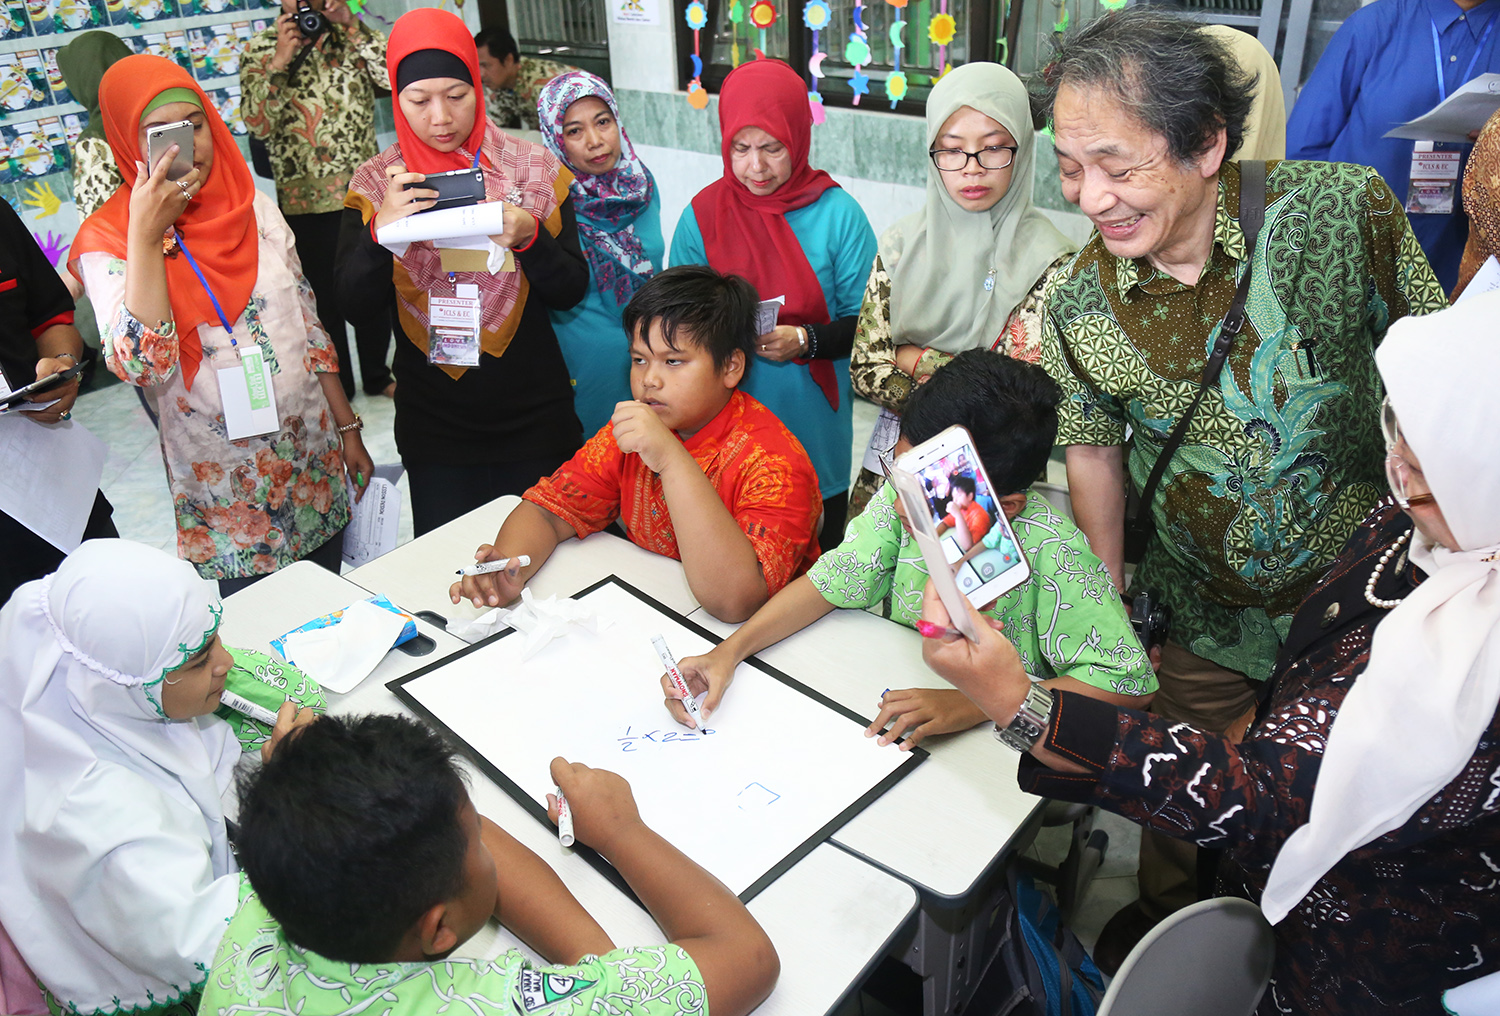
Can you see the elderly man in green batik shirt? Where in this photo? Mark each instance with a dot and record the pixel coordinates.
(1284, 455)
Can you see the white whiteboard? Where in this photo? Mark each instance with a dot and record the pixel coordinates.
(777, 770)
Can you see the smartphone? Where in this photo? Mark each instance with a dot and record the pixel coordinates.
(22, 395)
(164, 136)
(455, 188)
(957, 509)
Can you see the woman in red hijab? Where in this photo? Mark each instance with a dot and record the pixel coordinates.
(474, 421)
(793, 233)
(199, 294)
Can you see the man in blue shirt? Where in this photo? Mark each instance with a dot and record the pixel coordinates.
(1381, 70)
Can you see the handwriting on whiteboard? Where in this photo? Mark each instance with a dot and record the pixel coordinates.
(635, 741)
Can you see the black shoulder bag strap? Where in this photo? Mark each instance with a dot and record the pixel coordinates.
(1139, 526)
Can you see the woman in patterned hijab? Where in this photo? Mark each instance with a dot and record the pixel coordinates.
(619, 226)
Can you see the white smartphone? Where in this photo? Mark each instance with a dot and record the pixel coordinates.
(163, 136)
(954, 510)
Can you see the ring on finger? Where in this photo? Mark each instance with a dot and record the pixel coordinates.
(184, 188)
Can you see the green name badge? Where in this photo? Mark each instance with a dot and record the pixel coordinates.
(257, 378)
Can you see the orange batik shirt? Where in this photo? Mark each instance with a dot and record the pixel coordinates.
(760, 470)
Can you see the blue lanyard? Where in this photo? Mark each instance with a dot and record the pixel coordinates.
(1437, 56)
(192, 262)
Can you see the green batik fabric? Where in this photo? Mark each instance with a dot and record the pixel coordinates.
(1066, 619)
(1284, 456)
(256, 970)
(268, 682)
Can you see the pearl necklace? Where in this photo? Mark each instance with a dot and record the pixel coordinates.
(1390, 551)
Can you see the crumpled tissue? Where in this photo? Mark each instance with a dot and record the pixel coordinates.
(341, 655)
(540, 621)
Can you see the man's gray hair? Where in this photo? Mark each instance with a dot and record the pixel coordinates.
(1178, 81)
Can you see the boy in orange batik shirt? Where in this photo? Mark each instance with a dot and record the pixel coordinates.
(693, 468)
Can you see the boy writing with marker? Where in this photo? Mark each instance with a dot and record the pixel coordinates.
(693, 468)
(1066, 620)
(368, 865)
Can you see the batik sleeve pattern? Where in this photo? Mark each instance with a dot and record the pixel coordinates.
(872, 367)
(777, 505)
(643, 981)
(859, 571)
(1086, 415)
(268, 682)
(585, 490)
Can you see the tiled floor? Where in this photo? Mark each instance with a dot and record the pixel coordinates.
(135, 483)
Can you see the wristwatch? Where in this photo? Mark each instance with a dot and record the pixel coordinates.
(1030, 721)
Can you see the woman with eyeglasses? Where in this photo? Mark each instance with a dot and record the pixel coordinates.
(793, 233)
(967, 270)
(1361, 807)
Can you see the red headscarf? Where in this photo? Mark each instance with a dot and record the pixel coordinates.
(218, 226)
(430, 28)
(736, 223)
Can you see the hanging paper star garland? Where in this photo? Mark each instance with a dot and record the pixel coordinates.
(817, 15)
(697, 20)
(857, 53)
(941, 30)
(895, 84)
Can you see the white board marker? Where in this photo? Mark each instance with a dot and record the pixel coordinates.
(678, 681)
(244, 706)
(564, 820)
(493, 566)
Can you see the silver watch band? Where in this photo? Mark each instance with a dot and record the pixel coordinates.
(1030, 722)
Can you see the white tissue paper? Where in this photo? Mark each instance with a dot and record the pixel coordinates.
(341, 655)
(540, 621)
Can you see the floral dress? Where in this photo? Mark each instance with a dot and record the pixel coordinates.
(874, 374)
(252, 506)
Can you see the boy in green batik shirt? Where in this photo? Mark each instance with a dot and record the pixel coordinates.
(1066, 620)
(369, 865)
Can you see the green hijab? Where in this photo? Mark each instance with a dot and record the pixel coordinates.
(956, 275)
(82, 63)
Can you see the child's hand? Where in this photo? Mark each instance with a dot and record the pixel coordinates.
(919, 712)
(289, 718)
(710, 672)
(492, 590)
(602, 804)
(639, 430)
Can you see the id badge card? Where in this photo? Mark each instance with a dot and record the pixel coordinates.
(1434, 180)
(453, 327)
(248, 397)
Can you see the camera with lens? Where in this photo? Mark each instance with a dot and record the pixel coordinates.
(1151, 619)
(310, 23)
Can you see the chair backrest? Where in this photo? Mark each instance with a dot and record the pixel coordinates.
(1212, 957)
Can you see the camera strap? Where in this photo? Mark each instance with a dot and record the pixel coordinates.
(1138, 523)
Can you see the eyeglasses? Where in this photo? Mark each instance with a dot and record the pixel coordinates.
(1399, 472)
(952, 160)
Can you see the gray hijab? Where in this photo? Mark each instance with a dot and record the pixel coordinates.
(939, 258)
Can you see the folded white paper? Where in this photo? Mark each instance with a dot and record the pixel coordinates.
(464, 223)
(540, 621)
(1453, 119)
(373, 522)
(342, 655)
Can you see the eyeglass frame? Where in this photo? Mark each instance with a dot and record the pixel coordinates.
(933, 154)
(1390, 430)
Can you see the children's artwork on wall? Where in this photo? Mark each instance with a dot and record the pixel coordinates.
(23, 82)
(777, 770)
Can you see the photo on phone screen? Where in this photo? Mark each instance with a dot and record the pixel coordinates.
(964, 515)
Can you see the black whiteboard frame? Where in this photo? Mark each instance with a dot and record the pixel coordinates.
(914, 757)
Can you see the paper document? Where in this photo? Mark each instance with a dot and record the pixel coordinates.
(373, 521)
(468, 221)
(1486, 280)
(1457, 116)
(49, 476)
(766, 313)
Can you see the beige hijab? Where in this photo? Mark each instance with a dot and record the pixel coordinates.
(1265, 127)
(940, 258)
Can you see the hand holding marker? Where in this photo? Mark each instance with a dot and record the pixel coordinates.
(689, 702)
(247, 708)
(564, 820)
(489, 567)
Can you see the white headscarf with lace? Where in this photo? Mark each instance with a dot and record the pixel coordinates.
(116, 879)
(1413, 719)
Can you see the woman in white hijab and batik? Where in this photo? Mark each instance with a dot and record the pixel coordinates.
(967, 270)
(116, 877)
(1362, 807)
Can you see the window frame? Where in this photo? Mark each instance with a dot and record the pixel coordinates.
(982, 18)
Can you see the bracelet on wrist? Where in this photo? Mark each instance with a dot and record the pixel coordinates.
(70, 356)
(811, 336)
(355, 425)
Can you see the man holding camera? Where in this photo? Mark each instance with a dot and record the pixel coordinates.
(308, 92)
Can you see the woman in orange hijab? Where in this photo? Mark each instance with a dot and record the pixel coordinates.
(498, 417)
(199, 294)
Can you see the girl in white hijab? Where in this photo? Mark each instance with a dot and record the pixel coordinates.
(967, 270)
(116, 878)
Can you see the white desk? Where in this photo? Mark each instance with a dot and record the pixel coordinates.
(417, 575)
(944, 824)
(831, 917)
